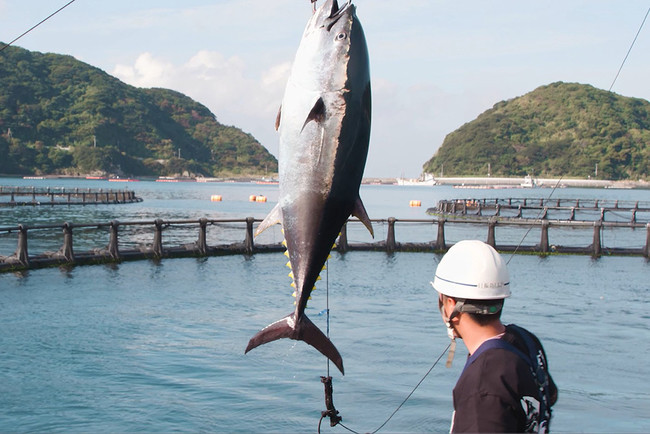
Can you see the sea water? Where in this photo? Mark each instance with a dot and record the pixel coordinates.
(159, 345)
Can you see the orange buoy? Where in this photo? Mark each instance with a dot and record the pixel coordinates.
(260, 199)
(252, 198)
(415, 203)
(216, 198)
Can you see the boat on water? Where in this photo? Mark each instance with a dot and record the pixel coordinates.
(425, 179)
(123, 180)
(175, 179)
(529, 182)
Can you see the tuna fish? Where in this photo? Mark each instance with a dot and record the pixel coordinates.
(324, 125)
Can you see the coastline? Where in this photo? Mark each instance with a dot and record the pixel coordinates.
(458, 182)
(521, 182)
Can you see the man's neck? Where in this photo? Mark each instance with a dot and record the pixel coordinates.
(474, 334)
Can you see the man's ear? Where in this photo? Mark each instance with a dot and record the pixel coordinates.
(450, 305)
(450, 302)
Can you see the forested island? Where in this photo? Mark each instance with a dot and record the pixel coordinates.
(62, 116)
(562, 129)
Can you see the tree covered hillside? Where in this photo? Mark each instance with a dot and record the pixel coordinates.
(60, 115)
(562, 129)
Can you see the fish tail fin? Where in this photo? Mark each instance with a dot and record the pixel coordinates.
(283, 328)
(303, 330)
(315, 337)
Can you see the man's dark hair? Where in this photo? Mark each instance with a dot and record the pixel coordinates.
(495, 307)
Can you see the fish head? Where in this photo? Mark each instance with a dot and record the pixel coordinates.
(330, 13)
(321, 60)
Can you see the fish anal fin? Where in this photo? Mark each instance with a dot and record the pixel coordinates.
(274, 217)
(360, 212)
(317, 113)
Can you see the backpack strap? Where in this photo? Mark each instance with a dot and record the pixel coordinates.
(534, 359)
(493, 344)
(538, 367)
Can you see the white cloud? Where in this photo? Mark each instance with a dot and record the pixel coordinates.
(146, 72)
(451, 62)
(234, 93)
(408, 120)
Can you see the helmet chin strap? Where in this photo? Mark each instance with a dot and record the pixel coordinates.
(462, 306)
(451, 331)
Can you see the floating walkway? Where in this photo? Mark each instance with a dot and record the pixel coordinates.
(570, 210)
(33, 196)
(124, 241)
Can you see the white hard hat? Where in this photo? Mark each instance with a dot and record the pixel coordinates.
(472, 270)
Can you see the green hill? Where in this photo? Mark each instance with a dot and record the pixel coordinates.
(562, 129)
(60, 115)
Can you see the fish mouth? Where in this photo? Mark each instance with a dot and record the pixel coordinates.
(336, 13)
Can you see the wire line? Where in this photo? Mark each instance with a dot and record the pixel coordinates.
(630, 49)
(41, 22)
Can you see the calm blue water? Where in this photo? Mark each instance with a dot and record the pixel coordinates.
(158, 346)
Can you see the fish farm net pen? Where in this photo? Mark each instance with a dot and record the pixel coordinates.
(401, 404)
(531, 228)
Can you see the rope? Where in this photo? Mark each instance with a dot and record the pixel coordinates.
(50, 16)
(327, 305)
(629, 50)
(403, 402)
(414, 389)
(326, 414)
(531, 228)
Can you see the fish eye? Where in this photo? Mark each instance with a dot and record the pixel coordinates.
(341, 36)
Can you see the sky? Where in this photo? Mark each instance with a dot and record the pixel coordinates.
(435, 64)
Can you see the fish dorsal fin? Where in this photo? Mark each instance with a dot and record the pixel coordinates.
(278, 118)
(274, 217)
(359, 212)
(317, 113)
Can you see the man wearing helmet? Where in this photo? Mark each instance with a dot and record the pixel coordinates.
(505, 385)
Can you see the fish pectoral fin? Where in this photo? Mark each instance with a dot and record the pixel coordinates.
(308, 332)
(274, 217)
(359, 212)
(317, 113)
(278, 118)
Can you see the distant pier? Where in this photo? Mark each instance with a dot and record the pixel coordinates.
(34, 196)
(115, 241)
